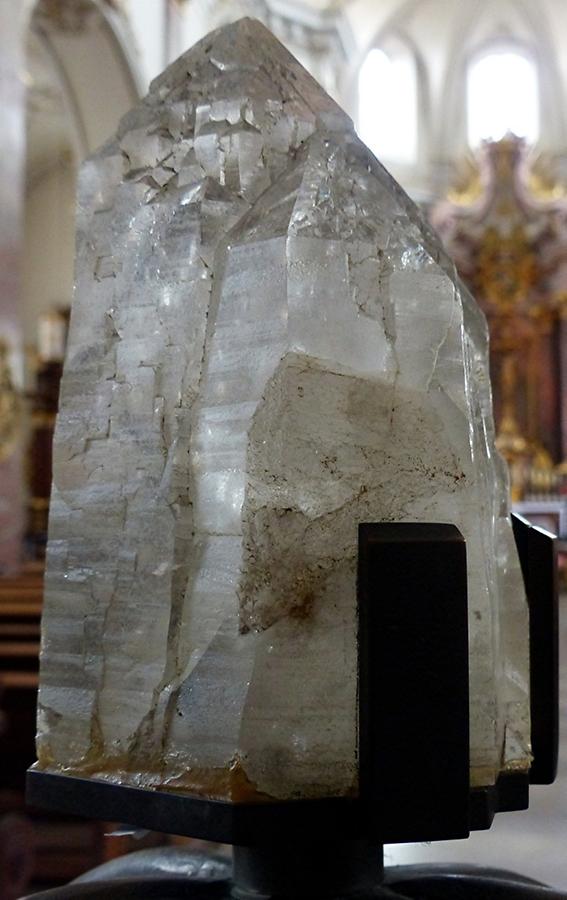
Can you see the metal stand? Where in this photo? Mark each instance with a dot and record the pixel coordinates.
(413, 746)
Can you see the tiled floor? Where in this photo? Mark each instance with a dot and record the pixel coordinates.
(533, 843)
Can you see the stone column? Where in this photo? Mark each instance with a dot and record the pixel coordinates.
(13, 20)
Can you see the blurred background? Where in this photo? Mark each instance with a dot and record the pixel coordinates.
(466, 104)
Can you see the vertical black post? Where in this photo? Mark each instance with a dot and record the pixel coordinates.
(537, 552)
(413, 677)
(289, 869)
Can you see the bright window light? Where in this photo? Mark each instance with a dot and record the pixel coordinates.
(502, 96)
(387, 105)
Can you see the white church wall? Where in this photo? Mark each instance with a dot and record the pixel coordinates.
(48, 246)
(147, 20)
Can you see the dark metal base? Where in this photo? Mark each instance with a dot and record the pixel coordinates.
(196, 817)
(233, 823)
(319, 873)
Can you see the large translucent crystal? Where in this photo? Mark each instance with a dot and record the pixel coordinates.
(267, 347)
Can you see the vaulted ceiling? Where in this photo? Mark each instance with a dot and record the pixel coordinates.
(442, 32)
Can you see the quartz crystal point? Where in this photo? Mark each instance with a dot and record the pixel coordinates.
(267, 347)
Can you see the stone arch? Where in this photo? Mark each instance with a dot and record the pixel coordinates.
(92, 50)
(475, 31)
(389, 26)
(81, 77)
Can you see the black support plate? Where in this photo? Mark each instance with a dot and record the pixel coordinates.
(537, 552)
(413, 681)
(197, 817)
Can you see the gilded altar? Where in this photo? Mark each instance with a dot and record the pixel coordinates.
(504, 222)
(9, 407)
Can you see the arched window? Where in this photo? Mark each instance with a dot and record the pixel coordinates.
(387, 103)
(502, 96)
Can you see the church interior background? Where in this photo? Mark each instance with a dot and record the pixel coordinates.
(466, 105)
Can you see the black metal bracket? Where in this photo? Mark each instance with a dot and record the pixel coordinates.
(511, 793)
(414, 681)
(537, 550)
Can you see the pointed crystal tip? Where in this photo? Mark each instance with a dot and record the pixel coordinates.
(241, 49)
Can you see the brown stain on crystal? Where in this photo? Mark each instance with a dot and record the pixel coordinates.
(230, 784)
(302, 605)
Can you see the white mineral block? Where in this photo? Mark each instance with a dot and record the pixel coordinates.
(268, 346)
